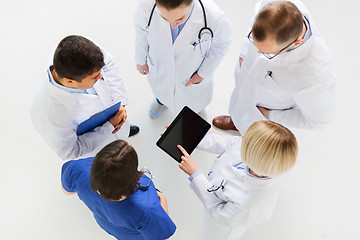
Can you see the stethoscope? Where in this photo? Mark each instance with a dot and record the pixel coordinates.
(205, 35)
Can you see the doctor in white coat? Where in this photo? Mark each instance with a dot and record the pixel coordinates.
(243, 185)
(57, 110)
(178, 67)
(287, 78)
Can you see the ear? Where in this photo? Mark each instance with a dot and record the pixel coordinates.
(69, 82)
(298, 42)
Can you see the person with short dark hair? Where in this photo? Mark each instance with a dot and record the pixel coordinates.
(284, 72)
(180, 66)
(81, 80)
(123, 199)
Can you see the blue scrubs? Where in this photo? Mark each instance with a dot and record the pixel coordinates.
(138, 217)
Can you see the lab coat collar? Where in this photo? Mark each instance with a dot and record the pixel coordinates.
(196, 18)
(66, 98)
(292, 58)
(243, 179)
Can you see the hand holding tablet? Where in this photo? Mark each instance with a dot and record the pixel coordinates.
(187, 130)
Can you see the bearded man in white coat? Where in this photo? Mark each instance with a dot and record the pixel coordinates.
(180, 66)
(284, 72)
(80, 80)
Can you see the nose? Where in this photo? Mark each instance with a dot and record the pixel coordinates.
(99, 77)
(259, 51)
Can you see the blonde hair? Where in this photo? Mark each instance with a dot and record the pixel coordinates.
(268, 148)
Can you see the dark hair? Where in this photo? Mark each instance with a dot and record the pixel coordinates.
(281, 19)
(172, 4)
(114, 171)
(77, 57)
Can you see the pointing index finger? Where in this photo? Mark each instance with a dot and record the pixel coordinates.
(183, 150)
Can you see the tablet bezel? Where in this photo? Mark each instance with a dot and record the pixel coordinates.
(183, 112)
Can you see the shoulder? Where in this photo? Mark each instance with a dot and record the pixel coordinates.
(213, 11)
(146, 5)
(76, 169)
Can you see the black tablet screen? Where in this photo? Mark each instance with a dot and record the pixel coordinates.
(187, 130)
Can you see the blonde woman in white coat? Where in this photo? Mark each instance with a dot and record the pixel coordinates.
(80, 81)
(284, 72)
(167, 49)
(244, 182)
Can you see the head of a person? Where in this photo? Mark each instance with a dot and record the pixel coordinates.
(277, 27)
(114, 172)
(174, 11)
(269, 149)
(78, 62)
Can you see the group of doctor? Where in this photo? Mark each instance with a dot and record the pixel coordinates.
(284, 75)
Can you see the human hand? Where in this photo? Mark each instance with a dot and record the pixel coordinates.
(188, 165)
(143, 69)
(264, 111)
(240, 61)
(118, 120)
(195, 79)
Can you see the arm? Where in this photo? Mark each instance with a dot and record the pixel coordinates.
(68, 177)
(163, 201)
(222, 211)
(68, 145)
(221, 45)
(66, 192)
(116, 84)
(315, 107)
(141, 19)
(216, 143)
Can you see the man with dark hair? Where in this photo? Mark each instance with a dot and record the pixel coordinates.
(123, 200)
(284, 72)
(81, 81)
(180, 66)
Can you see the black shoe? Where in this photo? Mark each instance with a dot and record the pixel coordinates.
(133, 130)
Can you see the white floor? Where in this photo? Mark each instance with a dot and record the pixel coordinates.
(320, 200)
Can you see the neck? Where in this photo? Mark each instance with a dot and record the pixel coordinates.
(56, 77)
(303, 31)
(251, 172)
(120, 199)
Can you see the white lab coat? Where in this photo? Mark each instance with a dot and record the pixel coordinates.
(172, 65)
(300, 92)
(56, 113)
(245, 201)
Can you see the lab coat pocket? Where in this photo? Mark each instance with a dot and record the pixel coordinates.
(272, 96)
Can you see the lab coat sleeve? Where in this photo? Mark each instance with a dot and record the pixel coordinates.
(223, 212)
(68, 145)
(115, 82)
(221, 45)
(216, 143)
(141, 19)
(315, 107)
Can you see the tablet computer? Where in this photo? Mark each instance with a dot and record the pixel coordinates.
(187, 130)
(98, 119)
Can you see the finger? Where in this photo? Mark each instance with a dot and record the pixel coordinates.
(115, 130)
(189, 82)
(183, 151)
